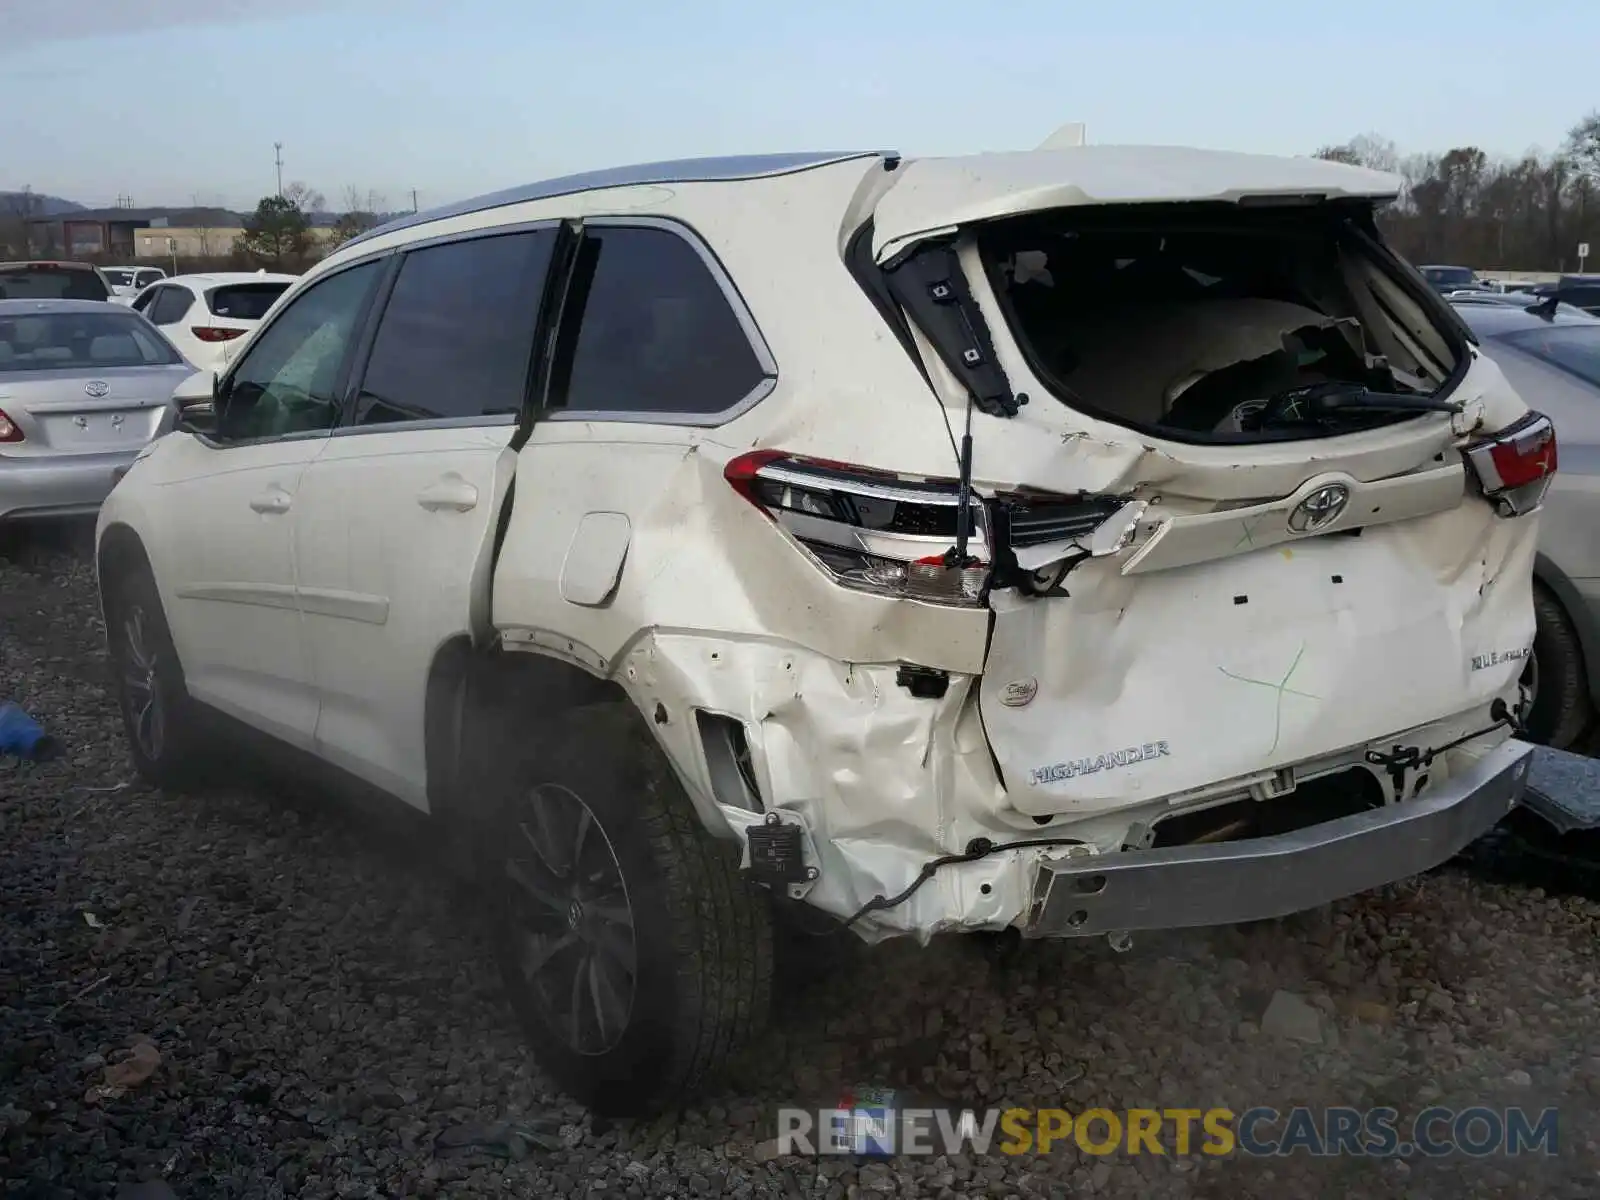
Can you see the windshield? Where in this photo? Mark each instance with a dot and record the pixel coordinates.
(1573, 348)
(244, 301)
(45, 281)
(62, 341)
(119, 278)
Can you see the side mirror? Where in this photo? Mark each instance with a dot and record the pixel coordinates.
(196, 398)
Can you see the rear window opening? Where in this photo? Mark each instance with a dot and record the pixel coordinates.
(1213, 323)
(243, 301)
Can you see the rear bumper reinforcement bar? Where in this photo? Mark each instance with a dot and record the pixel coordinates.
(1228, 882)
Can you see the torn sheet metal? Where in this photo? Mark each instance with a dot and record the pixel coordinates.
(1155, 684)
(883, 781)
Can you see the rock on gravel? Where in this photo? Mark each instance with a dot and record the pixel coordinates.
(323, 1010)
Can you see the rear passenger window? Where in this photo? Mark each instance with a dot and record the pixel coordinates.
(456, 337)
(656, 335)
(169, 306)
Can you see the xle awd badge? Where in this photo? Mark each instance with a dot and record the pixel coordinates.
(1019, 692)
(1320, 509)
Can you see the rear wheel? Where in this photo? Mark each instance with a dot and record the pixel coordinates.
(1556, 676)
(637, 960)
(160, 720)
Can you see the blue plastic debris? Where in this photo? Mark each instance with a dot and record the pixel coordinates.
(21, 735)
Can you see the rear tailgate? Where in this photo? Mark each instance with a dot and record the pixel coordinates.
(119, 408)
(1279, 601)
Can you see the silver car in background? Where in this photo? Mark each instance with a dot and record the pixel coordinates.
(84, 385)
(1551, 355)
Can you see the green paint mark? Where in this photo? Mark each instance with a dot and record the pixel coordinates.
(1247, 537)
(1281, 688)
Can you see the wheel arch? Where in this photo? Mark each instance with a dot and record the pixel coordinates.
(472, 694)
(119, 548)
(481, 700)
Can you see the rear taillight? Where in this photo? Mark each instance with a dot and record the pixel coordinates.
(870, 530)
(212, 333)
(8, 429)
(1515, 466)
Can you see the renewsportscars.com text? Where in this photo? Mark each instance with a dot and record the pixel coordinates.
(1477, 1131)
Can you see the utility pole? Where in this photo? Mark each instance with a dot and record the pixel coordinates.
(413, 199)
(277, 150)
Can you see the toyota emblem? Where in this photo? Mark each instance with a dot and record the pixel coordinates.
(1320, 509)
(96, 388)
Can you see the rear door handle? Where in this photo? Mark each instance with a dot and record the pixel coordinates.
(451, 492)
(273, 500)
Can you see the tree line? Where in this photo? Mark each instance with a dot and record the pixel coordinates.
(1466, 207)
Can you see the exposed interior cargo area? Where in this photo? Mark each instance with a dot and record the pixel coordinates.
(1212, 322)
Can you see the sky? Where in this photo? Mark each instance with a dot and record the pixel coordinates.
(180, 101)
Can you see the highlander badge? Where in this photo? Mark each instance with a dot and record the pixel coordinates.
(1056, 772)
(96, 388)
(1019, 692)
(1320, 509)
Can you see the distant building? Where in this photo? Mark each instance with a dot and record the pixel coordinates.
(186, 241)
(113, 232)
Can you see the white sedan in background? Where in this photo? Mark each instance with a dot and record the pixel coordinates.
(202, 314)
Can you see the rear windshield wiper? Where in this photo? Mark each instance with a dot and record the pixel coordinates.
(1320, 401)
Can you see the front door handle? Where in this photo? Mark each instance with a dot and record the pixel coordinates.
(450, 492)
(273, 500)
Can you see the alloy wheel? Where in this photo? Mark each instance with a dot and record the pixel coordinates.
(571, 919)
(141, 664)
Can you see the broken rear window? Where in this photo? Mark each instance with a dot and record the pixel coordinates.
(1213, 323)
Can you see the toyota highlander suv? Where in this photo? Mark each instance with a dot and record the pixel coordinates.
(1072, 542)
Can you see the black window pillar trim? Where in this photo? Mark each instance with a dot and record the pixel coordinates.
(354, 368)
(930, 285)
(548, 322)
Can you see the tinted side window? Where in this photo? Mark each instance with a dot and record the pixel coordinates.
(141, 302)
(1573, 348)
(456, 336)
(288, 381)
(656, 334)
(170, 305)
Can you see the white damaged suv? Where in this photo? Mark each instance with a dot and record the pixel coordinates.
(1077, 541)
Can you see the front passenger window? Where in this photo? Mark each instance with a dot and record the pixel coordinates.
(288, 381)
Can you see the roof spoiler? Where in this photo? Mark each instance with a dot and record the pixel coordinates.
(1546, 308)
(1072, 134)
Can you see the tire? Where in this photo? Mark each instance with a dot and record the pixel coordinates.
(667, 947)
(1561, 711)
(161, 722)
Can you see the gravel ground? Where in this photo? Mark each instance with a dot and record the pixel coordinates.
(317, 1008)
